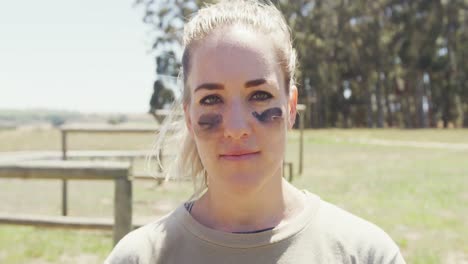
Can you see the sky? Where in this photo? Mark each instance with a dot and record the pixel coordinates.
(81, 55)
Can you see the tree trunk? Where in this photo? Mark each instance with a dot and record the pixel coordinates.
(465, 116)
(346, 109)
(378, 97)
(446, 102)
(387, 102)
(419, 99)
(405, 103)
(449, 103)
(368, 102)
(434, 106)
(405, 109)
(321, 105)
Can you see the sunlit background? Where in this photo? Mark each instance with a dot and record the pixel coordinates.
(91, 56)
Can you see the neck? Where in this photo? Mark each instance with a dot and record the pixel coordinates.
(268, 206)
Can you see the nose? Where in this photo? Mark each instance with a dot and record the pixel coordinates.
(236, 122)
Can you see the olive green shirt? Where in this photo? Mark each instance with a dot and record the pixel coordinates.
(321, 233)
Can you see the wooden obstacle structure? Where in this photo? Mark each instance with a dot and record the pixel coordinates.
(78, 170)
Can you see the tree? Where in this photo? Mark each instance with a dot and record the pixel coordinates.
(162, 96)
(361, 63)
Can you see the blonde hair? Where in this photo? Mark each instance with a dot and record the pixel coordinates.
(260, 17)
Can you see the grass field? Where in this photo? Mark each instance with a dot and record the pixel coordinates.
(418, 192)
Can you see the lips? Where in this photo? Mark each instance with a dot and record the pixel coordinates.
(239, 155)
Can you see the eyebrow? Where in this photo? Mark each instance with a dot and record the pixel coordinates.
(218, 86)
(256, 82)
(210, 86)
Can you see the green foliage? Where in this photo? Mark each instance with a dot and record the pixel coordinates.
(405, 60)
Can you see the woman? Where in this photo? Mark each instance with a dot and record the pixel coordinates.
(239, 101)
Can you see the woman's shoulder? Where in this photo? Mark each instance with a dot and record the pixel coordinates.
(144, 243)
(347, 224)
(353, 235)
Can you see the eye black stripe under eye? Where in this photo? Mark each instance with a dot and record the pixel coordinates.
(269, 115)
(210, 121)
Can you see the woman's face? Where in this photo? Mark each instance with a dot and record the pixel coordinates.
(239, 111)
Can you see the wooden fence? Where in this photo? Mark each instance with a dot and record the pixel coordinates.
(67, 130)
(77, 170)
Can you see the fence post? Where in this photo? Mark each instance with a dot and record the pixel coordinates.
(64, 182)
(301, 140)
(122, 207)
(290, 172)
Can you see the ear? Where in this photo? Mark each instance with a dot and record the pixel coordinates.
(292, 106)
(188, 119)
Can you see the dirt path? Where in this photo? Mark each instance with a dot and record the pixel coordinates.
(402, 143)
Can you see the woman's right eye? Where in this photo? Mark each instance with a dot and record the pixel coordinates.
(210, 100)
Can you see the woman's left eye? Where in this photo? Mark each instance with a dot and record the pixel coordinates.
(261, 96)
